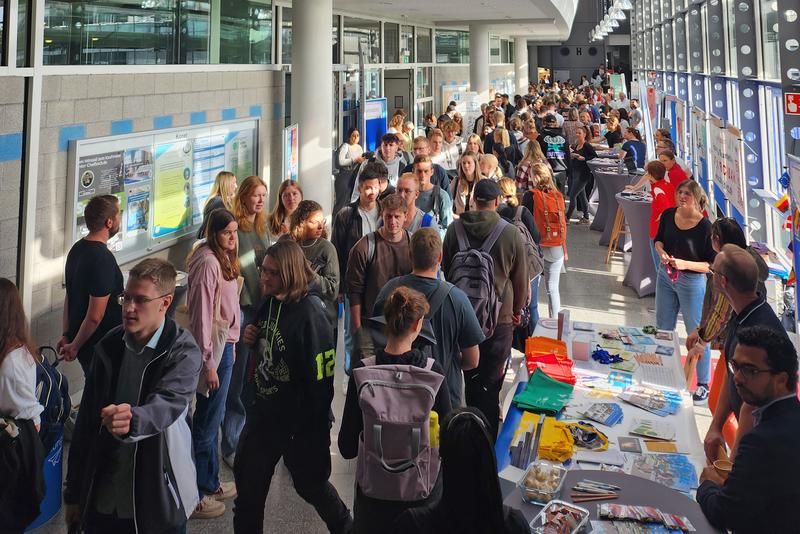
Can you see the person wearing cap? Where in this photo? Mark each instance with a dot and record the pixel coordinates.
(512, 286)
(391, 155)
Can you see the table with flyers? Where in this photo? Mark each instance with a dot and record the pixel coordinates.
(640, 376)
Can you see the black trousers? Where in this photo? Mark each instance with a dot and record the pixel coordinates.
(577, 194)
(484, 392)
(104, 524)
(307, 457)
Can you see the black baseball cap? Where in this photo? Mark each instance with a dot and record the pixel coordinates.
(487, 190)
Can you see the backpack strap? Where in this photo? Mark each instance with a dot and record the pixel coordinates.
(369, 361)
(490, 241)
(437, 299)
(429, 364)
(461, 235)
(370, 247)
(436, 208)
(518, 214)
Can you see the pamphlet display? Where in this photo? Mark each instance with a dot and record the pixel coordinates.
(162, 179)
(375, 123)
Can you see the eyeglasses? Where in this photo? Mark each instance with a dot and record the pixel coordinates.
(138, 300)
(747, 371)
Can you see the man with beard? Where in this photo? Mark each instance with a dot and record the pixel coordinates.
(93, 282)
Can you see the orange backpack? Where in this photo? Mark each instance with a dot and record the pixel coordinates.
(548, 212)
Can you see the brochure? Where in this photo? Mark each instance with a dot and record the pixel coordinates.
(651, 428)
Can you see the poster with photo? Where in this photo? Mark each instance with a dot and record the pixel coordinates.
(137, 211)
(99, 174)
(138, 165)
(172, 191)
(239, 150)
(208, 158)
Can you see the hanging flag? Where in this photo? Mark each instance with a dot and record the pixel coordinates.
(782, 204)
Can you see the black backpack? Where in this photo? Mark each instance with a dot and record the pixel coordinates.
(52, 390)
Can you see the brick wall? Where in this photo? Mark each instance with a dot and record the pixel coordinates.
(87, 106)
(12, 94)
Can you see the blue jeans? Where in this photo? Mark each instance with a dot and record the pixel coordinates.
(348, 336)
(208, 416)
(234, 405)
(656, 261)
(535, 300)
(685, 295)
(553, 261)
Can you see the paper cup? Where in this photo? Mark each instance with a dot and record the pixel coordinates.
(723, 467)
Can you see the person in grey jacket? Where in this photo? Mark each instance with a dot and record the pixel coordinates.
(130, 463)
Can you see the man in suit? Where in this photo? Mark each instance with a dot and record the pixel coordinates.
(761, 494)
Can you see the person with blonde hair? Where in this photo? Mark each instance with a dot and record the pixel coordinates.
(533, 154)
(490, 166)
(396, 124)
(253, 241)
(288, 416)
(222, 195)
(469, 174)
(613, 133)
(452, 146)
(474, 144)
(289, 196)
(408, 134)
(546, 203)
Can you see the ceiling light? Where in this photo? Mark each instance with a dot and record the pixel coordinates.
(614, 23)
(617, 14)
(624, 4)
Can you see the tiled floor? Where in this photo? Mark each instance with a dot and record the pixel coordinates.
(590, 289)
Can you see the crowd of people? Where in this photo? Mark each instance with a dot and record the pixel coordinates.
(437, 249)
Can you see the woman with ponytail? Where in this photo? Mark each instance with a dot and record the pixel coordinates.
(405, 311)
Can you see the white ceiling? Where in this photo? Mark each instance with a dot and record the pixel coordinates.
(539, 20)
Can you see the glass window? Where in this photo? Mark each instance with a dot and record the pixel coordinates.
(424, 51)
(391, 43)
(452, 46)
(245, 32)
(372, 83)
(503, 51)
(424, 82)
(406, 44)
(368, 33)
(770, 55)
(23, 8)
(773, 146)
(335, 37)
(423, 110)
(511, 52)
(732, 88)
(286, 35)
(494, 49)
(730, 12)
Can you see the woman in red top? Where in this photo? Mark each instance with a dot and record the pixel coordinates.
(675, 174)
(663, 193)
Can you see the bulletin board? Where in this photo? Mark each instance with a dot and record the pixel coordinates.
(375, 123)
(162, 179)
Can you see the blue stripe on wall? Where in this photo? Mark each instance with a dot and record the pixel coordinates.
(255, 111)
(70, 133)
(197, 117)
(164, 121)
(11, 147)
(122, 127)
(228, 114)
(277, 110)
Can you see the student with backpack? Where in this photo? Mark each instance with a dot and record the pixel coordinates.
(453, 322)
(408, 188)
(432, 197)
(22, 486)
(390, 421)
(546, 203)
(471, 502)
(484, 256)
(375, 259)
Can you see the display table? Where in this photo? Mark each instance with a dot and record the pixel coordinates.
(597, 165)
(610, 184)
(641, 273)
(633, 490)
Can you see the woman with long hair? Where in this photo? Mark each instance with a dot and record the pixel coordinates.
(289, 196)
(213, 294)
(222, 194)
(474, 144)
(552, 227)
(253, 241)
(469, 173)
(533, 154)
(685, 253)
(613, 133)
(633, 151)
(581, 173)
(571, 126)
(288, 416)
(308, 230)
(472, 502)
(405, 311)
(350, 152)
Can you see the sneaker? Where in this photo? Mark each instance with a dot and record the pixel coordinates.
(229, 460)
(584, 220)
(700, 395)
(208, 508)
(226, 490)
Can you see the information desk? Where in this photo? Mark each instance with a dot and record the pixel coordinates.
(604, 165)
(609, 184)
(641, 273)
(668, 376)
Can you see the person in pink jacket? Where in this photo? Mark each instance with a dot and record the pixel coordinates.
(213, 272)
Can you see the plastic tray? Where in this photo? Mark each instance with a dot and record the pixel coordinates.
(538, 523)
(535, 495)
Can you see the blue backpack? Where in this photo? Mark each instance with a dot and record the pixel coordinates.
(52, 390)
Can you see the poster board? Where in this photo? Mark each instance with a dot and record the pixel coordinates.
(162, 179)
(794, 198)
(291, 153)
(699, 149)
(680, 128)
(617, 82)
(468, 104)
(733, 187)
(452, 92)
(375, 123)
(716, 152)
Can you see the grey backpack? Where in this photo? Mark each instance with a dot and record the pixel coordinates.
(472, 271)
(395, 459)
(532, 251)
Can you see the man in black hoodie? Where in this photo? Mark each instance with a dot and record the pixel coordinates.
(556, 149)
(292, 382)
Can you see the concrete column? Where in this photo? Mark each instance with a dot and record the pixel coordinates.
(521, 70)
(479, 60)
(533, 63)
(214, 28)
(312, 97)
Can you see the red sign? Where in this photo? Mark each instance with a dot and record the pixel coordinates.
(791, 104)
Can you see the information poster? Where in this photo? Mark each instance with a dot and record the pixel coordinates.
(469, 105)
(617, 82)
(716, 151)
(680, 127)
(733, 185)
(794, 197)
(700, 148)
(162, 180)
(291, 153)
(452, 92)
(652, 109)
(374, 123)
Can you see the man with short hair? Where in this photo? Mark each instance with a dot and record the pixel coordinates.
(436, 143)
(93, 281)
(761, 493)
(433, 198)
(421, 147)
(408, 188)
(480, 122)
(454, 323)
(130, 462)
(635, 117)
(735, 274)
(453, 146)
(374, 260)
(511, 284)
(621, 101)
(391, 155)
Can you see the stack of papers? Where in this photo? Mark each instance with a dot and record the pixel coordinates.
(672, 470)
(657, 401)
(651, 428)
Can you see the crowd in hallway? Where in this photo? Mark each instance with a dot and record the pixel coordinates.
(438, 245)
